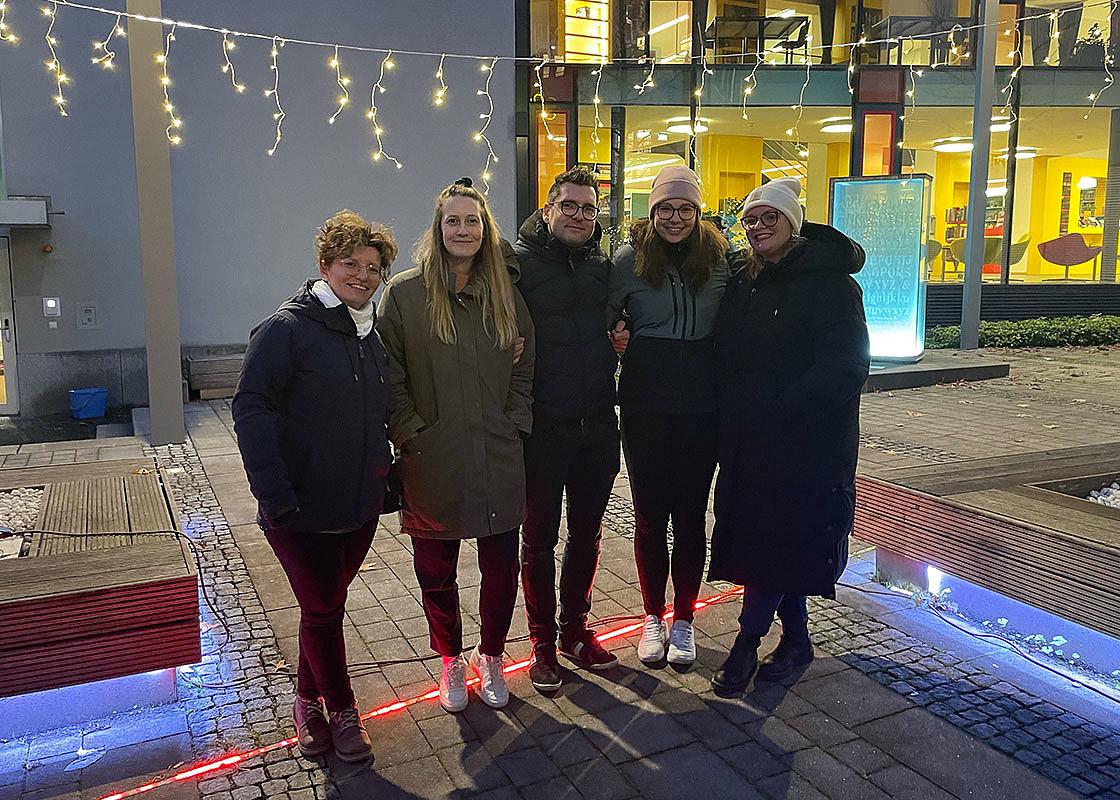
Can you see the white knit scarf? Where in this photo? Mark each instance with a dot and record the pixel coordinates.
(363, 317)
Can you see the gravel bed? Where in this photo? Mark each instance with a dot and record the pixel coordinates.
(19, 511)
(1106, 495)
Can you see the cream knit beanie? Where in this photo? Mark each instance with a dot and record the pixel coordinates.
(781, 194)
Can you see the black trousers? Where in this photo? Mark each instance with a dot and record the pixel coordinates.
(436, 562)
(671, 459)
(320, 567)
(581, 459)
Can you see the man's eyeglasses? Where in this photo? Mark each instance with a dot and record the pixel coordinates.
(768, 219)
(354, 267)
(684, 212)
(570, 208)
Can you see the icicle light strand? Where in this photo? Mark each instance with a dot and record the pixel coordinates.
(175, 124)
(274, 93)
(487, 117)
(6, 34)
(343, 82)
(376, 89)
(439, 97)
(102, 47)
(227, 45)
(53, 64)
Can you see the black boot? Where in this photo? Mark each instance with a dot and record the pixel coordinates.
(794, 650)
(739, 666)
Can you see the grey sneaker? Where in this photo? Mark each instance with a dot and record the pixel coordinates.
(651, 647)
(682, 643)
(453, 684)
(492, 680)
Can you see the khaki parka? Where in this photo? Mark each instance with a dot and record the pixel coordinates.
(458, 414)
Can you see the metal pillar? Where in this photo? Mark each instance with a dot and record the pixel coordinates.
(1111, 202)
(618, 170)
(978, 184)
(157, 236)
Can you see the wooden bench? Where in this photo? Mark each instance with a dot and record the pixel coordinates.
(211, 377)
(1004, 523)
(84, 607)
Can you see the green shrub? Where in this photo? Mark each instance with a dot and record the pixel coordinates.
(1056, 332)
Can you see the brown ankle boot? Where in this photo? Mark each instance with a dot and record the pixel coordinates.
(351, 742)
(313, 733)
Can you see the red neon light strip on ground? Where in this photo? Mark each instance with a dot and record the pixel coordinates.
(389, 708)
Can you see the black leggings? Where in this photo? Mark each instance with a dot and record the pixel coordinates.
(320, 567)
(671, 459)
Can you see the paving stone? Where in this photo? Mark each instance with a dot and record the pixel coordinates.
(471, 767)
(851, 698)
(950, 758)
(862, 757)
(821, 729)
(831, 776)
(902, 783)
(753, 761)
(600, 780)
(527, 766)
(691, 771)
(627, 732)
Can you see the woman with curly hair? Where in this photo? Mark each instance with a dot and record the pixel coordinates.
(461, 405)
(668, 281)
(309, 413)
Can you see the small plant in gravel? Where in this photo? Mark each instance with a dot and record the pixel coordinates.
(1097, 329)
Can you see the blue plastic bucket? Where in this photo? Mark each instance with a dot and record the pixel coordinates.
(88, 403)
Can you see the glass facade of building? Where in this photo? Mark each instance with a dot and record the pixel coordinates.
(834, 88)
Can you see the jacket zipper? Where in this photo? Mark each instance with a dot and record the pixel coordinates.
(365, 428)
(673, 292)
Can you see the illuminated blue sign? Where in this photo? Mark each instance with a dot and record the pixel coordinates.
(888, 217)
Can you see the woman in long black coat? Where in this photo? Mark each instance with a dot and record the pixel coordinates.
(792, 350)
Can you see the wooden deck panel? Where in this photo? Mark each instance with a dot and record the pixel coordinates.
(1063, 522)
(1001, 472)
(147, 508)
(1063, 557)
(68, 573)
(125, 602)
(52, 663)
(59, 473)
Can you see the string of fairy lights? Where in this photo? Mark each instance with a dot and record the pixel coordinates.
(104, 56)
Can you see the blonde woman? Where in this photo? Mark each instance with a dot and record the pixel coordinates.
(460, 407)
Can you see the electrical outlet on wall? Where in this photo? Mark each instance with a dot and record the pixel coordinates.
(87, 315)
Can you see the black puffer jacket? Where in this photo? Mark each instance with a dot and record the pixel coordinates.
(309, 413)
(565, 289)
(792, 351)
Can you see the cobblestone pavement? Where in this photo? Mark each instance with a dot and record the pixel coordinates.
(897, 705)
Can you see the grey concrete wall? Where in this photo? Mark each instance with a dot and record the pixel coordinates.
(244, 221)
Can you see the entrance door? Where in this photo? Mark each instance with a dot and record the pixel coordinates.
(9, 388)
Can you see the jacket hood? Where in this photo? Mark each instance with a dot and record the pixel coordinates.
(535, 235)
(306, 304)
(513, 266)
(825, 250)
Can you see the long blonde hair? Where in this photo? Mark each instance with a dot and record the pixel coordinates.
(488, 274)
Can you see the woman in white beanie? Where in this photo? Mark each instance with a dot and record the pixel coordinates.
(669, 281)
(792, 354)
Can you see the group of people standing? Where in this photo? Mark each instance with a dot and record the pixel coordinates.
(491, 369)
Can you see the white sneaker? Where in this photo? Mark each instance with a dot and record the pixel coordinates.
(651, 647)
(453, 684)
(682, 643)
(492, 680)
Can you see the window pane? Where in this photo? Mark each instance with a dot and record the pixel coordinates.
(670, 31)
